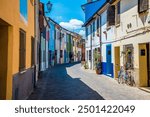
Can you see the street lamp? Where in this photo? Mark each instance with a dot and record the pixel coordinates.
(49, 6)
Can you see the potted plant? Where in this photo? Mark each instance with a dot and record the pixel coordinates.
(98, 68)
(86, 65)
(97, 62)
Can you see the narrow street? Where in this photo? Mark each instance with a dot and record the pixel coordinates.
(71, 82)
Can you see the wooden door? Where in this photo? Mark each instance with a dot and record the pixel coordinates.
(143, 77)
(117, 61)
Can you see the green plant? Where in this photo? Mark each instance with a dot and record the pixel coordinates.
(98, 68)
(97, 57)
(86, 65)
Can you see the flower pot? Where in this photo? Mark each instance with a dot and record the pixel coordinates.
(98, 71)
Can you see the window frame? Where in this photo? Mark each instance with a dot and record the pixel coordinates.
(140, 5)
(22, 51)
(32, 51)
(111, 16)
(118, 12)
(24, 9)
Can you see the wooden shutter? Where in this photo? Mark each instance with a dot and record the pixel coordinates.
(143, 5)
(87, 32)
(93, 28)
(90, 55)
(98, 25)
(32, 51)
(118, 13)
(111, 16)
(22, 51)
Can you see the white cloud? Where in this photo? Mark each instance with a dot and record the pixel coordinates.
(73, 24)
(82, 33)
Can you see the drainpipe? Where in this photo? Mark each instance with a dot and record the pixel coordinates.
(36, 36)
(91, 46)
(100, 38)
(60, 47)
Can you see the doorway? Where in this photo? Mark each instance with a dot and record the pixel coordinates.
(3, 58)
(144, 66)
(117, 61)
(148, 62)
(109, 68)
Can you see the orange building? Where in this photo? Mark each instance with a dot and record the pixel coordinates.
(16, 48)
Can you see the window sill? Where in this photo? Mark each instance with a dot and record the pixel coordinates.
(108, 28)
(117, 25)
(22, 72)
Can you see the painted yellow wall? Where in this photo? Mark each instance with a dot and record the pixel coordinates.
(10, 13)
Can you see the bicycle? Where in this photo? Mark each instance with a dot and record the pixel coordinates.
(130, 78)
(121, 75)
(126, 76)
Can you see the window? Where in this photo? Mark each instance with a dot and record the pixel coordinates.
(87, 54)
(61, 53)
(143, 5)
(55, 52)
(98, 26)
(24, 8)
(86, 31)
(118, 13)
(93, 28)
(111, 16)
(90, 57)
(32, 51)
(22, 51)
(44, 55)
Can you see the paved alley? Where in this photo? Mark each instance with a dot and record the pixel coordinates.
(71, 82)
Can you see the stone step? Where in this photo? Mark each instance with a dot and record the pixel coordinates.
(147, 89)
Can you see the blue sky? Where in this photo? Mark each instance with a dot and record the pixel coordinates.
(67, 13)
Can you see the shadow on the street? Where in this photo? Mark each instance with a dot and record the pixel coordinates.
(56, 84)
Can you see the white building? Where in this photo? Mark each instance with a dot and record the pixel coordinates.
(124, 34)
(132, 42)
(99, 37)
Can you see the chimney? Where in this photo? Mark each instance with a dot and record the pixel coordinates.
(89, 1)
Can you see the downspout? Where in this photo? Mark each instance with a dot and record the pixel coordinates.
(100, 38)
(36, 33)
(91, 47)
(60, 47)
(45, 44)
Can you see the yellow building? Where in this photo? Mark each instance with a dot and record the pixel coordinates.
(16, 48)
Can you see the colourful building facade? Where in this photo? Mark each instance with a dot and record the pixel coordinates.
(16, 35)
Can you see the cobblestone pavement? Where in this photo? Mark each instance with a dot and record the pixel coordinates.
(71, 82)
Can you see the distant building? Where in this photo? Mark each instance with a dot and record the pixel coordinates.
(44, 39)
(51, 42)
(61, 40)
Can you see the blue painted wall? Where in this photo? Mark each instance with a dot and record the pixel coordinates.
(52, 37)
(24, 8)
(107, 67)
